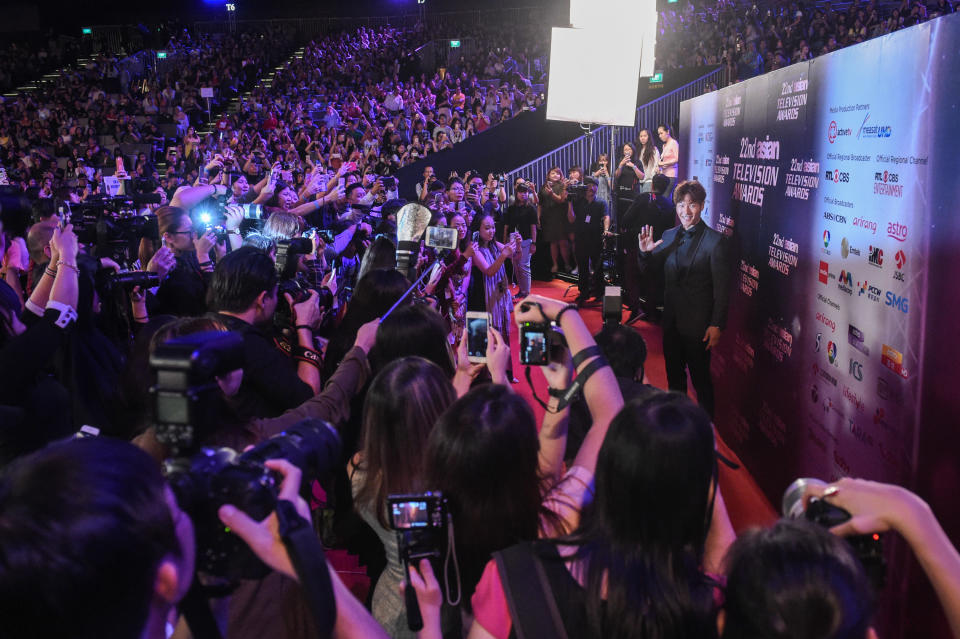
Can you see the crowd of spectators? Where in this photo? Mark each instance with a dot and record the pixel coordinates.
(612, 499)
(22, 60)
(752, 38)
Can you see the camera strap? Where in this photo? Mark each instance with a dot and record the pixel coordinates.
(310, 564)
(566, 397)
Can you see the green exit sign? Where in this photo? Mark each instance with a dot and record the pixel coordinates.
(161, 55)
(656, 77)
(672, 1)
(454, 44)
(86, 31)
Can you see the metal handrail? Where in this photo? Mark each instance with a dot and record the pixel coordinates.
(579, 152)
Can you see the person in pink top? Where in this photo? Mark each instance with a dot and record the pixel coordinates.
(670, 157)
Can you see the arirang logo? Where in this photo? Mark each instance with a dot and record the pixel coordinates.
(837, 176)
(826, 321)
(897, 231)
(834, 132)
(875, 256)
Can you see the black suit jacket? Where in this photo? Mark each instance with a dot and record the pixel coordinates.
(695, 296)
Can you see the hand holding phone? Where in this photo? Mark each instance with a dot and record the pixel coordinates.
(477, 324)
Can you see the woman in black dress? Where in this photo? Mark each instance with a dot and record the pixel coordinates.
(555, 227)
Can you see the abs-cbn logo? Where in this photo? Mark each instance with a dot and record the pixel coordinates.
(887, 183)
(834, 132)
(837, 176)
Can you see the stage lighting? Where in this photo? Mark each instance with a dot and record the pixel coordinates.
(581, 88)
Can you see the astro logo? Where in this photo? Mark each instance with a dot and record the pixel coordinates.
(832, 352)
(826, 239)
(875, 256)
(897, 231)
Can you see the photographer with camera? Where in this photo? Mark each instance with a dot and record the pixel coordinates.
(591, 223)
(423, 189)
(183, 291)
(243, 294)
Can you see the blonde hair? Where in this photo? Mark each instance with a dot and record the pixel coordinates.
(281, 226)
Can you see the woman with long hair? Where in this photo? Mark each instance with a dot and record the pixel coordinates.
(489, 289)
(454, 282)
(503, 480)
(402, 405)
(555, 227)
(626, 178)
(637, 564)
(649, 160)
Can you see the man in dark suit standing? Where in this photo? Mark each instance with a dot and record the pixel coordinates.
(696, 291)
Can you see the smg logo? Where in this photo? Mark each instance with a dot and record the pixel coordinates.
(897, 302)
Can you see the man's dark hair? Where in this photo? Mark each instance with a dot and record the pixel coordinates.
(353, 187)
(660, 183)
(84, 526)
(591, 181)
(692, 188)
(795, 580)
(624, 348)
(452, 181)
(239, 278)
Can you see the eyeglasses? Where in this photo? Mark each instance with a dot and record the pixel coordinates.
(187, 232)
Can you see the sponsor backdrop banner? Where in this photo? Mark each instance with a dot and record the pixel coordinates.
(836, 181)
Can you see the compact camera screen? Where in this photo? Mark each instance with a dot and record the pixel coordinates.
(533, 348)
(409, 514)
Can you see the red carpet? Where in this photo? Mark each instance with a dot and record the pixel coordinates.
(746, 504)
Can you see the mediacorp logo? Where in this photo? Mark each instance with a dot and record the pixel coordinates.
(845, 282)
(834, 132)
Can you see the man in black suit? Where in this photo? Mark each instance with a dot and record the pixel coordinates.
(696, 276)
(654, 209)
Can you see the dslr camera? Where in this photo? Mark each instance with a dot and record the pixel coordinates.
(186, 404)
(294, 283)
(867, 548)
(541, 343)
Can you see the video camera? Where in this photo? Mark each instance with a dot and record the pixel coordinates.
(186, 401)
(577, 191)
(113, 225)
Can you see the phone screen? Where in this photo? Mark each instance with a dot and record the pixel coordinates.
(477, 338)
